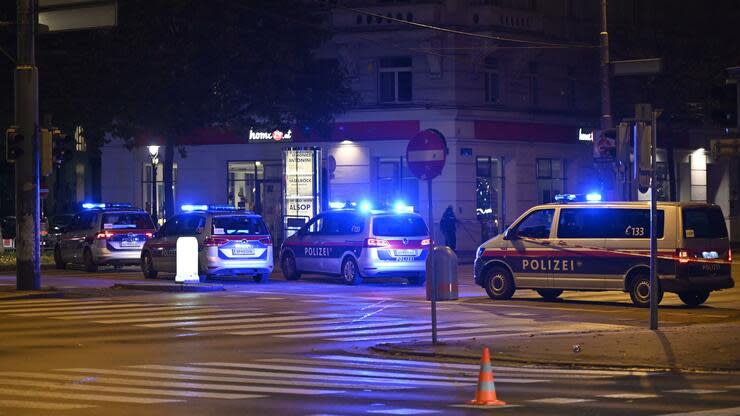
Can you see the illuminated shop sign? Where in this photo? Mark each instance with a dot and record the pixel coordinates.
(301, 185)
(267, 137)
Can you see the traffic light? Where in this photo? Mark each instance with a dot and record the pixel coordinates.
(61, 145)
(46, 157)
(13, 144)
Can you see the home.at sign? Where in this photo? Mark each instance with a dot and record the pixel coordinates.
(275, 136)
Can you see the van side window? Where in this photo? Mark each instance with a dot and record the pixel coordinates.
(537, 224)
(607, 223)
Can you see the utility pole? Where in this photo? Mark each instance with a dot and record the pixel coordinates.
(606, 110)
(28, 271)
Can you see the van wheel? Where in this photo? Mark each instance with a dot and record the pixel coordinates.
(147, 266)
(640, 291)
(260, 278)
(59, 263)
(418, 280)
(89, 263)
(549, 294)
(694, 298)
(499, 284)
(288, 266)
(350, 272)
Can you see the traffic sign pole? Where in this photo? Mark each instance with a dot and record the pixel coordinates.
(432, 275)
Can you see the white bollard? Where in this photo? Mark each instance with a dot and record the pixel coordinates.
(187, 260)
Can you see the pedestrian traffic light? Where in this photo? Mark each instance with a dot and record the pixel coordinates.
(46, 156)
(13, 144)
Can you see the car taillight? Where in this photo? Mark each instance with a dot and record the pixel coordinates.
(103, 236)
(376, 242)
(266, 241)
(683, 256)
(426, 242)
(214, 242)
(729, 255)
(149, 235)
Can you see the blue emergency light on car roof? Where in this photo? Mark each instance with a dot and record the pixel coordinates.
(590, 197)
(211, 207)
(100, 205)
(401, 208)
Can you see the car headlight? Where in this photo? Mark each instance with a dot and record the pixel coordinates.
(480, 251)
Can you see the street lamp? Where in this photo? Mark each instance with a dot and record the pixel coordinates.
(154, 156)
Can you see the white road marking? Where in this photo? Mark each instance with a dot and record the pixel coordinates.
(42, 406)
(629, 396)
(297, 319)
(54, 306)
(111, 312)
(403, 411)
(81, 310)
(127, 390)
(164, 317)
(323, 377)
(179, 385)
(560, 400)
(441, 333)
(696, 391)
(268, 298)
(313, 327)
(80, 396)
(728, 411)
(329, 370)
(409, 327)
(183, 376)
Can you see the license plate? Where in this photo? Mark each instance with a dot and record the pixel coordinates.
(242, 251)
(405, 252)
(405, 258)
(130, 244)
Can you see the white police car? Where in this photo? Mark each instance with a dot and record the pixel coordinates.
(357, 243)
(230, 242)
(103, 234)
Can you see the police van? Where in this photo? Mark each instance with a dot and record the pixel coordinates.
(103, 234)
(576, 244)
(230, 242)
(357, 243)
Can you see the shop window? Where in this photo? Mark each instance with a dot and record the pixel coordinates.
(245, 184)
(488, 187)
(395, 80)
(492, 81)
(148, 182)
(395, 182)
(551, 179)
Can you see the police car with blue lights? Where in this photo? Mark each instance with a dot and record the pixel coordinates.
(230, 242)
(103, 234)
(580, 243)
(356, 242)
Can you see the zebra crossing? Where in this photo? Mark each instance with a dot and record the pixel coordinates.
(361, 324)
(318, 375)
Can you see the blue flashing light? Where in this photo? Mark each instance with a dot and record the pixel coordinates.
(90, 205)
(221, 207)
(565, 197)
(593, 197)
(400, 208)
(365, 206)
(336, 204)
(190, 207)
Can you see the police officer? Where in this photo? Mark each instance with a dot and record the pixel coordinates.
(447, 224)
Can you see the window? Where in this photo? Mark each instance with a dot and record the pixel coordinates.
(148, 183)
(395, 182)
(395, 80)
(492, 80)
(245, 183)
(703, 223)
(348, 223)
(238, 225)
(534, 86)
(315, 225)
(488, 184)
(399, 226)
(192, 224)
(607, 223)
(536, 225)
(551, 179)
(172, 226)
(127, 220)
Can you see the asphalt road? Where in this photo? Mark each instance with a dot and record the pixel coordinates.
(301, 348)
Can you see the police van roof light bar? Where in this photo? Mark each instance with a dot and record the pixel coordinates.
(590, 197)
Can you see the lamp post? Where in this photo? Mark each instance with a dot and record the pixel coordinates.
(154, 156)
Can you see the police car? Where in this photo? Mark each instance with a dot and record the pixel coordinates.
(103, 234)
(582, 244)
(359, 242)
(230, 242)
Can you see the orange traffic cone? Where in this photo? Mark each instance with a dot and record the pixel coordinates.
(485, 395)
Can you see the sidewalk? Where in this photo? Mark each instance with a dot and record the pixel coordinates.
(688, 348)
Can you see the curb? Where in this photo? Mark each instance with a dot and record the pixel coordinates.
(510, 359)
(38, 295)
(185, 287)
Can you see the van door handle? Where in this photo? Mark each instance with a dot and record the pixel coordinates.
(545, 243)
(562, 243)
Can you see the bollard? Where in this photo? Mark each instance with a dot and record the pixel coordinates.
(187, 260)
(445, 272)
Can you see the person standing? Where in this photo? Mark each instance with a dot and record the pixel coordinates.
(448, 225)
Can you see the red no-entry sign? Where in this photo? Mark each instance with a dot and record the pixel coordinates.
(426, 154)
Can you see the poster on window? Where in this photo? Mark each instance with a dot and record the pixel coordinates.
(301, 185)
(605, 146)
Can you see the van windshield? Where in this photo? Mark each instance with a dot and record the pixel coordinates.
(238, 225)
(704, 222)
(399, 226)
(119, 220)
